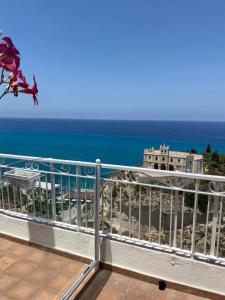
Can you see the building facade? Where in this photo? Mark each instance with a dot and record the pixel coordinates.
(164, 159)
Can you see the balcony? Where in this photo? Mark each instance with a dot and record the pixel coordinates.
(109, 231)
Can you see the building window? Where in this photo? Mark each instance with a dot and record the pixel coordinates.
(163, 167)
(156, 158)
(171, 160)
(171, 168)
(149, 157)
(178, 160)
(163, 158)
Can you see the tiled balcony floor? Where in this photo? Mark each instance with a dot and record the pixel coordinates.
(29, 272)
(108, 285)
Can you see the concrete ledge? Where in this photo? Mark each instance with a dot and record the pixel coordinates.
(77, 243)
(171, 268)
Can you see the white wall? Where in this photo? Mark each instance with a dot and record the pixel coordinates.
(165, 266)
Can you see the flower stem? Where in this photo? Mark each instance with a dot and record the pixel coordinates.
(2, 76)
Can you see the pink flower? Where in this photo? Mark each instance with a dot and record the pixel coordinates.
(33, 91)
(9, 55)
(15, 83)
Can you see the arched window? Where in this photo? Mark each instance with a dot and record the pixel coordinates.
(156, 166)
(171, 168)
(163, 167)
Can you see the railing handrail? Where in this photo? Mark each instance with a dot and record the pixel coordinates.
(118, 167)
(48, 160)
(165, 173)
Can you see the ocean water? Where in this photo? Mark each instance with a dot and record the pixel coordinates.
(117, 142)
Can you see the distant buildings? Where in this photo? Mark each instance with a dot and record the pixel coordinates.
(164, 159)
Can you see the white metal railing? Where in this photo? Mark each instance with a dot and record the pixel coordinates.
(182, 212)
(179, 212)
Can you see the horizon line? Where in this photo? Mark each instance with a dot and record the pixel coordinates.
(98, 119)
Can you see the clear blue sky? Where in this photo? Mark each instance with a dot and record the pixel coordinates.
(121, 59)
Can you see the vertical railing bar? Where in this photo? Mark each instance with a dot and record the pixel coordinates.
(120, 208)
(111, 208)
(78, 196)
(129, 230)
(139, 217)
(40, 196)
(149, 214)
(175, 218)
(14, 198)
(8, 198)
(61, 192)
(26, 200)
(207, 224)
(53, 191)
(46, 194)
(97, 205)
(219, 228)
(102, 210)
(2, 189)
(69, 194)
(171, 219)
(34, 208)
(182, 222)
(160, 216)
(21, 204)
(85, 199)
(214, 221)
(194, 218)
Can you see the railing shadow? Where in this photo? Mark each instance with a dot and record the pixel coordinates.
(41, 234)
(94, 286)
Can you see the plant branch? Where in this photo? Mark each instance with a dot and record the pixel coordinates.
(2, 75)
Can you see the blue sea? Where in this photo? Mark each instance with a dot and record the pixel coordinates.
(117, 142)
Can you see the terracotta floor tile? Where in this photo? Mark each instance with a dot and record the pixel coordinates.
(72, 268)
(141, 285)
(21, 268)
(6, 244)
(186, 296)
(43, 294)
(20, 250)
(139, 289)
(37, 255)
(117, 282)
(6, 281)
(55, 262)
(58, 282)
(21, 290)
(167, 294)
(108, 295)
(3, 297)
(138, 296)
(6, 261)
(40, 274)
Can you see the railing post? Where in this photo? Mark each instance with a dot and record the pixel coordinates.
(175, 218)
(194, 218)
(53, 191)
(214, 221)
(78, 196)
(97, 201)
